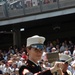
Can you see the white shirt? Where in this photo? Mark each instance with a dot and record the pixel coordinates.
(6, 70)
(73, 70)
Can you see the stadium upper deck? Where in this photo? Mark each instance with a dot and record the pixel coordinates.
(34, 15)
(12, 9)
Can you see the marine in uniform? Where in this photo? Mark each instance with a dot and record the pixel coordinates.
(35, 47)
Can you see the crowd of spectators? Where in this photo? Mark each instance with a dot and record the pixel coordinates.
(13, 58)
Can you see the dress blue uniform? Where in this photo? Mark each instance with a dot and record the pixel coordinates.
(33, 68)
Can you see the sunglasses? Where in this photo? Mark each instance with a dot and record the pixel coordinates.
(38, 46)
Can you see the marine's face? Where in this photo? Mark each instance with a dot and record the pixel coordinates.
(35, 54)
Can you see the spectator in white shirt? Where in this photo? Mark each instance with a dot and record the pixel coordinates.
(67, 51)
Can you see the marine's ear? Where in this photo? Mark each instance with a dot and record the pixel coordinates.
(28, 50)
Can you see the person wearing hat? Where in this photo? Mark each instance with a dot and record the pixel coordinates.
(35, 47)
(67, 59)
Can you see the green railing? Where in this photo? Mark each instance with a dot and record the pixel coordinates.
(17, 8)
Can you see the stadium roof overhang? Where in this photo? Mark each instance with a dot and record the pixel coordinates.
(38, 16)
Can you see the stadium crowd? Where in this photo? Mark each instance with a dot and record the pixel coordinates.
(12, 59)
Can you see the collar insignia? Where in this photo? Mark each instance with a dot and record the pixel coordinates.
(33, 65)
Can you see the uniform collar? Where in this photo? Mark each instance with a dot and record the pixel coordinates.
(34, 62)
